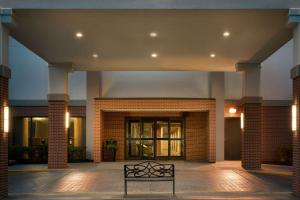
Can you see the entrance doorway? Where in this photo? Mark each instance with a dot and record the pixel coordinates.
(154, 138)
(232, 139)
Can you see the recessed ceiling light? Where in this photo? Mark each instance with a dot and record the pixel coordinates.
(153, 34)
(79, 35)
(154, 55)
(95, 55)
(212, 55)
(226, 34)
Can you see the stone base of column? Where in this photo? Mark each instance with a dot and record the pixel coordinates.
(3, 139)
(57, 135)
(251, 136)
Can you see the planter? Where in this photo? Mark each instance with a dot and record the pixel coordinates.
(109, 155)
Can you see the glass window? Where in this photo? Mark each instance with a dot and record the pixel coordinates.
(148, 148)
(134, 129)
(162, 129)
(148, 129)
(176, 148)
(76, 136)
(162, 147)
(175, 130)
(39, 128)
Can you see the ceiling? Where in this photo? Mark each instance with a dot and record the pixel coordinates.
(185, 38)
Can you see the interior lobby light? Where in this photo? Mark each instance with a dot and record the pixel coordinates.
(226, 34)
(212, 55)
(79, 35)
(294, 118)
(242, 120)
(95, 55)
(232, 110)
(67, 119)
(154, 55)
(6, 119)
(153, 34)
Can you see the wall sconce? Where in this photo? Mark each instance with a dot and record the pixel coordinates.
(294, 118)
(6, 119)
(242, 120)
(232, 110)
(67, 119)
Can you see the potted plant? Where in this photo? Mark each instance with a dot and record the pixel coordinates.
(109, 150)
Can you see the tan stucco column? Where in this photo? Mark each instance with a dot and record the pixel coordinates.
(57, 108)
(217, 83)
(251, 111)
(294, 19)
(5, 17)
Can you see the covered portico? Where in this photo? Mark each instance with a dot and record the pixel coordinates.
(130, 36)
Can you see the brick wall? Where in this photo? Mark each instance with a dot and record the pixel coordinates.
(276, 131)
(57, 136)
(196, 135)
(251, 136)
(155, 105)
(3, 139)
(296, 139)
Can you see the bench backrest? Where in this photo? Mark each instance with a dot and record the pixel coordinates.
(149, 169)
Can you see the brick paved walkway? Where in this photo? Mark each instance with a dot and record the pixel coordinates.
(105, 181)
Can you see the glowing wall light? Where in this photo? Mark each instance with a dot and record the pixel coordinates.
(242, 120)
(294, 118)
(67, 119)
(232, 110)
(6, 119)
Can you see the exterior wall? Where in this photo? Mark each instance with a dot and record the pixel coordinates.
(196, 126)
(276, 131)
(161, 105)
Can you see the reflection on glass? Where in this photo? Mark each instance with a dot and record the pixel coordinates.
(75, 132)
(148, 129)
(162, 147)
(148, 148)
(40, 130)
(134, 148)
(175, 130)
(135, 130)
(162, 129)
(176, 148)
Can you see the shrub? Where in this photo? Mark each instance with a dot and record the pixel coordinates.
(76, 154)
(285, 153)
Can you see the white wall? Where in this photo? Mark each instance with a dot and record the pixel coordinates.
(276, 83)
(29, 80)
(155, 84)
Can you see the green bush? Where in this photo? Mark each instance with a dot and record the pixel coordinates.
(285, 153)
(76, 154)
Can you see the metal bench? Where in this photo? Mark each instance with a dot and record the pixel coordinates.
(149, 171)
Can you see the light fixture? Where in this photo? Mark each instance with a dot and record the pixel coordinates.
(232, 110)
(6, 119)
(242, 120)
(154, 55)
(153, 34)
(79, 35)
(67, 119)
(294, 118)
(226, 34)
(212, 55)
(95, 55)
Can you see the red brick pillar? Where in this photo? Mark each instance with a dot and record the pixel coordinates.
(57, 132)
(296, 138)
(98, 132)
(4, 76)
(251, 134)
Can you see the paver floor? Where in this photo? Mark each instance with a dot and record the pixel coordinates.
(194, 180)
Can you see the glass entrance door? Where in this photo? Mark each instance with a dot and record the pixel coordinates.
(148, 138)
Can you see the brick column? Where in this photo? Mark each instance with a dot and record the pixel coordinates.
(4, 76)
(98, 133)
(294, 18)
(57, 134)
(251, 135)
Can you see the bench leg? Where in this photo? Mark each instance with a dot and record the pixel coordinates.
(125, 187)
(173, 187)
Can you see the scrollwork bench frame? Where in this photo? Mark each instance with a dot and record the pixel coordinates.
(149, 171)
